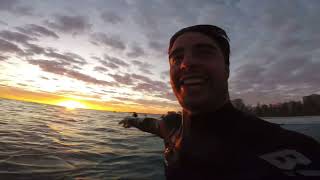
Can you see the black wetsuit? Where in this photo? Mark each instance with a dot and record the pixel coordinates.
(230, 144)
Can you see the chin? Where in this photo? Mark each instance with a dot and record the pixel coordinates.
(195, 105)
(202, 104)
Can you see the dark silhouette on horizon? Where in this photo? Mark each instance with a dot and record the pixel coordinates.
(310, 106)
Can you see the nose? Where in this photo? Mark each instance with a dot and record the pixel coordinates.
(188, 61)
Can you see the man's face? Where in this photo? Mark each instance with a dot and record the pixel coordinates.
(198, 73)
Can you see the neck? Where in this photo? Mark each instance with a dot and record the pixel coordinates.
(211, 109)
(193, 118)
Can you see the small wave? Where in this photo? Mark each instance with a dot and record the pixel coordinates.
(33, 163)
(106, 130)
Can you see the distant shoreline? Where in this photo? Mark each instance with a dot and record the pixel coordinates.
(289, 116)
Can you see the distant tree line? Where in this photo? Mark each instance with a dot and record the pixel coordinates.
(309, 107)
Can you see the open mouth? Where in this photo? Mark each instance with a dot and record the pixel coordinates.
(193, 80)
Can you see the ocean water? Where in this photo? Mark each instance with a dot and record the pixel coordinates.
(40, 141)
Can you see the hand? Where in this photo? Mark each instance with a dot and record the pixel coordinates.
(128, 121)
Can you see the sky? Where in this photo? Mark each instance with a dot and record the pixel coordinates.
(112, 55)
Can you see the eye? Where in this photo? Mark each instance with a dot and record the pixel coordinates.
(176, 59)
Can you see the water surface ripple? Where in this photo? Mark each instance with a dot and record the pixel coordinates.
(49, 142)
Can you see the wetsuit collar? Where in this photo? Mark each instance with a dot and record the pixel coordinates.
(212, 121)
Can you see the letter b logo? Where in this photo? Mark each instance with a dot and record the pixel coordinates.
(286, 159)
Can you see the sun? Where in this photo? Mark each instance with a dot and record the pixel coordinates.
(71, 104)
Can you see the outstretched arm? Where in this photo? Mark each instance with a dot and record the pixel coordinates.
(161, 128)
(146, 124)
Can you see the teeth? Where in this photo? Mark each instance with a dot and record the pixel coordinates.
(194, 81)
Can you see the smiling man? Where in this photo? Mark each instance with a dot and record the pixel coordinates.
(212, 139)
(199, 70)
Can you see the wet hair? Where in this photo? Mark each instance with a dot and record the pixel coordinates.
(214, 32)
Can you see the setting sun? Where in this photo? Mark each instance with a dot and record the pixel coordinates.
(70, 104)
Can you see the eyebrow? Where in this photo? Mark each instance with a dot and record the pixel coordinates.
(197, 46)
(176, 51)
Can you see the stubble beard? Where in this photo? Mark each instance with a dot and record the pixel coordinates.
(213, 100)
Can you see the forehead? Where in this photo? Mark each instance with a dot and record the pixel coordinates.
(190, 39)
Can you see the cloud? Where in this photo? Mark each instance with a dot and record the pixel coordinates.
(112, 42)
(165, 74)
(108, 64)
(24, 10)
(33, 49)
(66, 57)
(37, 31)
(24, 40)
(142, 78)
(151, 88)
(274, 51)
(136, 51)
(108, 91)
(168, 95)
(125, 79)
(50, 66)
(6, 46)
(85, 96)
(3, 58)
(146, 71)
(149, 18)
(153, 16)
(143, 84)
(3, 23)
(146, 87)
(111, 62)
(116, 61)
(149, 85)
(100, 69)
(8, 4)
(288, 76)
(147, 102)
(70, 24)
(43, 77)
(158, 46)
(111, 17)
(75, 58)
(22, 84)
(14, 6)
(86, 78)
(143, 66)
(155, 88)
(15, 36)
(59, 68)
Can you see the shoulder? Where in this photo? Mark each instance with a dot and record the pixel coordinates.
(169, 122)
(284, 149)
(172, 120)
(271, 133)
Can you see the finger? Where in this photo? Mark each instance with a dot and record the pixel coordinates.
(123, 121)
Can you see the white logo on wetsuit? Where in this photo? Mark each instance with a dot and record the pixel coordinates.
(288, 159)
